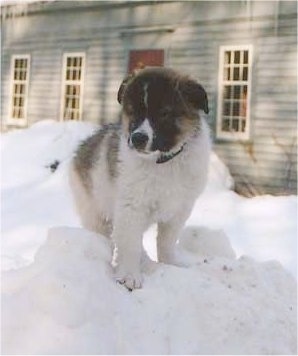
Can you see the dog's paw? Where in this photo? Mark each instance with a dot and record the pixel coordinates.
(130, 280)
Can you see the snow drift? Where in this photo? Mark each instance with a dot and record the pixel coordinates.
(66, 302)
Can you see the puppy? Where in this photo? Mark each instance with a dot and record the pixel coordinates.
(148, 169)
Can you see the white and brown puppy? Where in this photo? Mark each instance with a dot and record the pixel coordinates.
(148, 169)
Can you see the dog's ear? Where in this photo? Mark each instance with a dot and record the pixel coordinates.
(123, 86)
(195, 94)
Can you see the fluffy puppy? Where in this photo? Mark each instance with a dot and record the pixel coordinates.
(148, 169)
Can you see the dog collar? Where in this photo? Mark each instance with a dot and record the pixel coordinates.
(165, 157)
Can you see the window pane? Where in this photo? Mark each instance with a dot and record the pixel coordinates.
(226, 109)
(245, 73)
(237, 92)
(76, 90)
(236, 75)
(17, 63)
(68, 103)
(24, 65)
(78, 74)
(21, 113)
(227, 56)
(22, 88)
(237, 57)
(235, 125)
(225, 125)
(243, 124)
(227, 92)
(245, 57)
(236, 109)
(243, 105)
(23, 75)
(227, 74)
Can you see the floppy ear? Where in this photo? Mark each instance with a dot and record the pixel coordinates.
(123, 86)
(195, 94)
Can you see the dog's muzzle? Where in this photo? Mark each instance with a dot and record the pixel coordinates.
(139, 140)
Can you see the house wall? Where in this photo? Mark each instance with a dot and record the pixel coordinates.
(191, 34)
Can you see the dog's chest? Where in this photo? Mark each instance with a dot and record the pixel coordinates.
(162, 192)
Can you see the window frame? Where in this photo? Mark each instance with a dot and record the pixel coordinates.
(65, 82)
(21, 122)
(234, 136)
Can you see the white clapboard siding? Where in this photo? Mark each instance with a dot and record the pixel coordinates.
(191, 34)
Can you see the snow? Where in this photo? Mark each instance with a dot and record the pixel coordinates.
(58, 292)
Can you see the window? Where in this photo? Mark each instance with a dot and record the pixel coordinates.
(139, 59)
(233, 116)
(20, 71)
(72, 86)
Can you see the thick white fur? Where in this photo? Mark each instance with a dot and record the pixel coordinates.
(144, 193)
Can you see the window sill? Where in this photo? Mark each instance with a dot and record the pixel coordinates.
(233, 139)
(16, 122)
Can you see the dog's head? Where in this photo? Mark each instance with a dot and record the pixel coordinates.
(160, 111)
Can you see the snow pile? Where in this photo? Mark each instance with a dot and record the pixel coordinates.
(27, 154)
(59, 296)
(33, 198)
(67, 303)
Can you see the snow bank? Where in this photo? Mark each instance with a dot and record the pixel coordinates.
(26, 154)
(66, 302)
(33, 198)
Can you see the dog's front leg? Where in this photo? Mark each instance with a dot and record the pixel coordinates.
(168, 234)
(127, 236)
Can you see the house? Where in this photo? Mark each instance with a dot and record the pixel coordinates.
(64, 60)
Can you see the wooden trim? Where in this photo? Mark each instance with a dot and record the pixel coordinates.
(146, 30)
(10, 120)
(234, 136)
(80, 82)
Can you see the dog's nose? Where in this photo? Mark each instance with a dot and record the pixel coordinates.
(139, 139)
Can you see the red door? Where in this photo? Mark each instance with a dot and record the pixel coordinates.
(139, 59)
